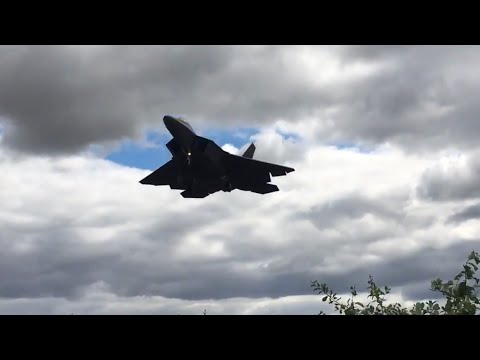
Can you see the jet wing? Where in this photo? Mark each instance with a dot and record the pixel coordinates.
(245, 164)
(164, 175)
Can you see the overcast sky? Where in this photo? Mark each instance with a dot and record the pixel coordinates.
(384, 141)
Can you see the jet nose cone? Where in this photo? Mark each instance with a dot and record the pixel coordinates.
(170, 123)
(168, 120)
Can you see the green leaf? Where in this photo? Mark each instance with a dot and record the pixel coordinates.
(448, 306)
(460, 297)
(420, 305)
(470, 308)
(468, 271)
(462, 289)
(475, 257)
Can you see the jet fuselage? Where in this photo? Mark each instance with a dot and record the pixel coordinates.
(199, 158)
(182, 133)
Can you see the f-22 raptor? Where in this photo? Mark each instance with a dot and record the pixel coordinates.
(200, 167)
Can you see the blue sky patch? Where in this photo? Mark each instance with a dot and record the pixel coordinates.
(352, 146)
(149, 155)
(289, 136)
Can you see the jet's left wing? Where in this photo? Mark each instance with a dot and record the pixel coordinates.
(164, 175)
(246, 164)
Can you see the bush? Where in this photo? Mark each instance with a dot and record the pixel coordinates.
(460, 296)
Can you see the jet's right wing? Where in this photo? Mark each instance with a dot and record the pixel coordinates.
(165, 175)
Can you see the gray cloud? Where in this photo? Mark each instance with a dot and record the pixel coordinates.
(61, 99)
(410, 274)
(450, 182)
(353, 207)
(60, 264)
(419, 97)
(56, 102)
(469, 213)
(65, 268)
(98, 300)
(148, 250)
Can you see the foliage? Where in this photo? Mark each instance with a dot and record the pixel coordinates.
(460, 296)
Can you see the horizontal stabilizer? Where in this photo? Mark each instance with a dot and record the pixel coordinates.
(194, 195)
(245, 165)
(249, 152)
(280, 171)
(264, 188)
(177, 187)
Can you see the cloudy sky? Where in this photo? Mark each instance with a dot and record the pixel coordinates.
(384, 141)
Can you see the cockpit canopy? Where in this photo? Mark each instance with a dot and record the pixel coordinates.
(186, 124)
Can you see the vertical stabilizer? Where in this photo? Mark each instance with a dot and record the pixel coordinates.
(249, 152)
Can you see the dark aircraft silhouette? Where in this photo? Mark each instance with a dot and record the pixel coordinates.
(200, 167)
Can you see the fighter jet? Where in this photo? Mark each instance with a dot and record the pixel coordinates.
(200, 167)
